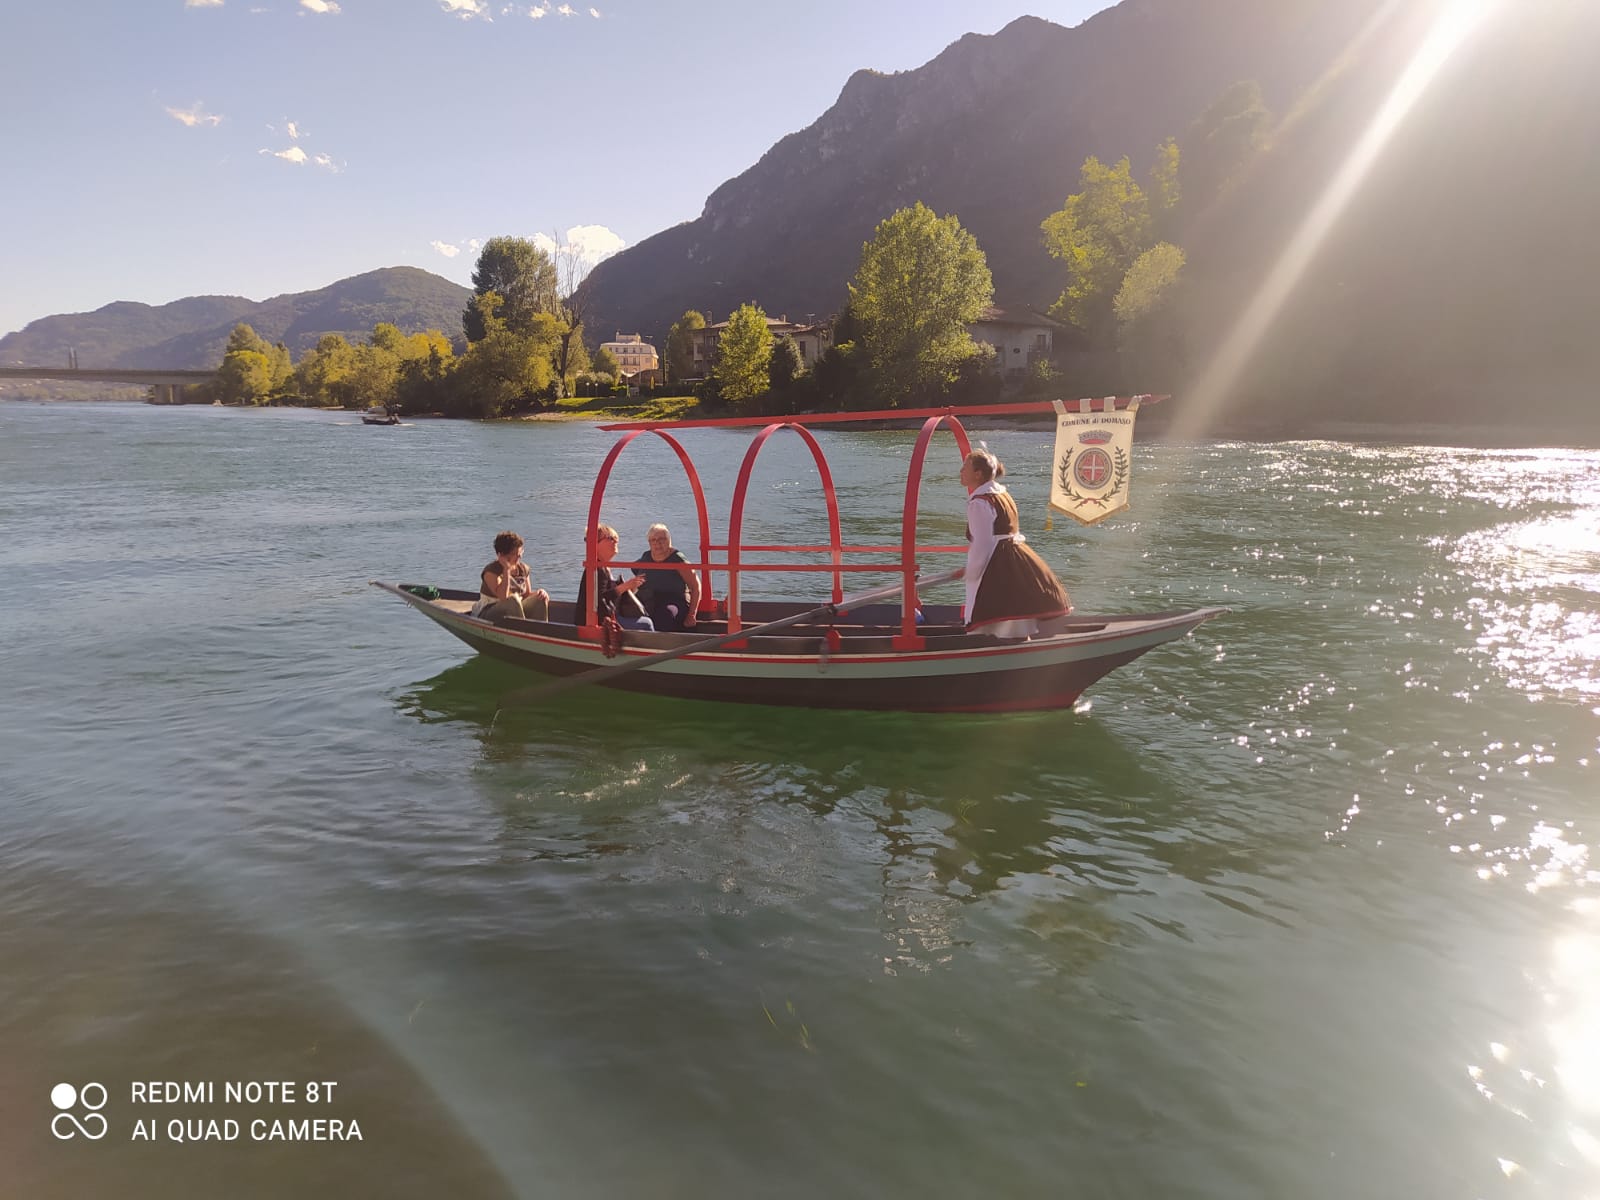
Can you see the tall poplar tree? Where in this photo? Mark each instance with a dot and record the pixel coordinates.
(1098, 233)
(922, 280)
(680, 344)
(522, 275)
(744, 352)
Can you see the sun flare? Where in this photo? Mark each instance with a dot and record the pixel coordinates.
(1453, 25)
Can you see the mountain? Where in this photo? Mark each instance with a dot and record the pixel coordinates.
(993, 129)
(193, 332)
(1455, 288)
(1453, 281)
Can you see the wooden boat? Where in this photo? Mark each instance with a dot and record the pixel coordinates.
(907, 656)
(379, 415)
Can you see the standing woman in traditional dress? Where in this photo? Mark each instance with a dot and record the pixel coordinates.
(1009, 587)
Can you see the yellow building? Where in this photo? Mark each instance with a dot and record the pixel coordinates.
(633, 354)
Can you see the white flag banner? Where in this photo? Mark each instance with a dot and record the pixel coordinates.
(1094, 458)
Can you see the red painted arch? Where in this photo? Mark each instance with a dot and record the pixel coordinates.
(909, 638)
(736, 515)
(591, 561)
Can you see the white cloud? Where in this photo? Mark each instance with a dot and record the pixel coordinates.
(446, 249)
(466, 9)
(293, 154)
(539, 10)
(327, 164)
(594, 242)
(588, 243)
(595, 13)
(320, 6)
(474, 244)
(194, 115)
(293, 131)
(566, 10)
(202, 3)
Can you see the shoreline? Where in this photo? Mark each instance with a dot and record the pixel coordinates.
(1157, 425)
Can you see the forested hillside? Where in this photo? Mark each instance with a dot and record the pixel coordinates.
(193, 332)
(1439, 223)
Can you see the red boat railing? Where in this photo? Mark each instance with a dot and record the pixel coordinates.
(734, 562)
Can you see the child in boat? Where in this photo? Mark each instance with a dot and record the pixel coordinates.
(505, 587)
(1009, 587)
(614, 595)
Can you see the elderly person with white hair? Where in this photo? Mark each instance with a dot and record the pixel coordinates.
(671, 591)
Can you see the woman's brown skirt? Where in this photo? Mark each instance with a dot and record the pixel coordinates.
(1016, 586)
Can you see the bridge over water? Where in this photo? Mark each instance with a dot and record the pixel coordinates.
(164, 381)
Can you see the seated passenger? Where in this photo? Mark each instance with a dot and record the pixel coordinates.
(505, 587)
(614, 595)
(671, 592)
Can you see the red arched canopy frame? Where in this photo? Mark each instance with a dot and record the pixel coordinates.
(735, 566)
(589, 625)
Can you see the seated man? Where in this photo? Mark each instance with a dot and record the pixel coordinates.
(614, 595)
(505, 586)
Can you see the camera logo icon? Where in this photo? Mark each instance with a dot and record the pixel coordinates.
(66, 1124)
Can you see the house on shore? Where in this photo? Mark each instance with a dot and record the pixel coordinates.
(1021, 338)
(812, 337)
(633, 354)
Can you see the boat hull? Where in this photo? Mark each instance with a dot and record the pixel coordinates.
(953, 674)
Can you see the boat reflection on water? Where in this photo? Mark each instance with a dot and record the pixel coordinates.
(1051, 818)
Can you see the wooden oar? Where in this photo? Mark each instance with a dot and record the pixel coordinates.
(535, 694)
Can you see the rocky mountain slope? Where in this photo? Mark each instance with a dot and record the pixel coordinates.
(993, 129)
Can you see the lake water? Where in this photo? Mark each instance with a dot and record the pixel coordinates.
(1303, 906)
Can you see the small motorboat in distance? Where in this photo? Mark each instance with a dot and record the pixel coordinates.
(379, 415)
(856, 652)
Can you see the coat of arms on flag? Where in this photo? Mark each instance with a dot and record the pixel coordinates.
(1094, 458)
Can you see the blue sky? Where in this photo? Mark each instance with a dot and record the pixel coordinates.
(163, 148)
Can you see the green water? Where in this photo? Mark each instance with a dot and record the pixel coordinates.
(1303, 906)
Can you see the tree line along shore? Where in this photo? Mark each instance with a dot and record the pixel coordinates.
(900, 337)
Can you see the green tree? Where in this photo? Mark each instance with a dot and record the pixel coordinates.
(387, 337)
(245, 377)
(575, 299)
(522, 275)
(504, 372)
(680, 345)
(570, 358)
(425, 369)
(1098, 234)
(245, 338)
(921, 281)
(604, 363)
(838, 377)
(1165, 190)
(1149, 331)
(785, 366)
(249, 368)
(420, 347)
(743, 352)
(322, 373)
(281, 367)
(1222, 142)
(1148, 285)
(484, 313)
